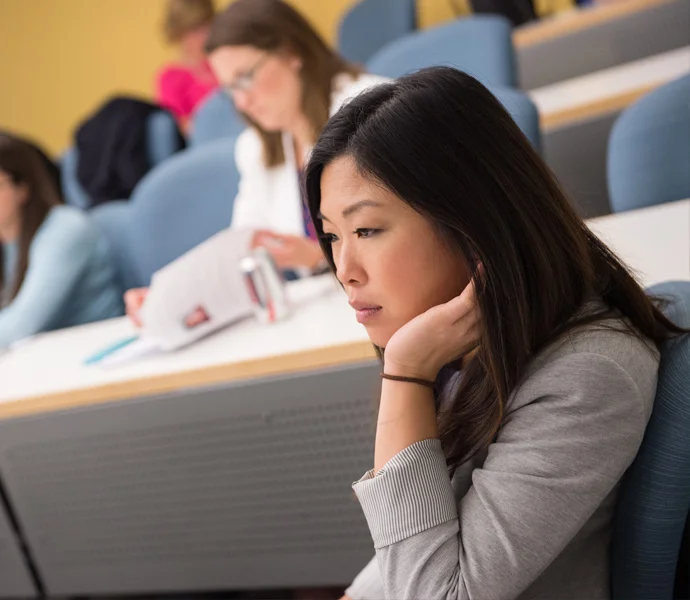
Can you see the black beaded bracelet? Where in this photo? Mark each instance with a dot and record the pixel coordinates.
(424, 382)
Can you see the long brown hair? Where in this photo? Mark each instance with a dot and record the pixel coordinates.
(25, 165)
(274, 26)
(443, 144)
(183, 16)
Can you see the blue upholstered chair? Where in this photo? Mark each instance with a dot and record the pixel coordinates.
(162, 142)
(214, 119)
(162, 137)
(72, 190)
(523, 111)
(649, 149)
(371, 24)
(655, 497)
(178, 205)
(113, 219)
(481, 46)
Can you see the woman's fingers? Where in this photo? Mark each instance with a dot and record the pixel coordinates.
(463, 305)
(134, 300)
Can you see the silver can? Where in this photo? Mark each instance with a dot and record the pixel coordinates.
(265, 285)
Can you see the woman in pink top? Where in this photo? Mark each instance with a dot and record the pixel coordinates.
(180, 87)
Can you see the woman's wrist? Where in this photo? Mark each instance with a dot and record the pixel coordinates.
(425, 372)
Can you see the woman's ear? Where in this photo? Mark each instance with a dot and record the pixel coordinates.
(22, 191)
(293, 60)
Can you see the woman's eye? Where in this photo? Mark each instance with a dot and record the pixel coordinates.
(328, 238)
(366, 232)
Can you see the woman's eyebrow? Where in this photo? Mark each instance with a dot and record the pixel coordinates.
(354, 208)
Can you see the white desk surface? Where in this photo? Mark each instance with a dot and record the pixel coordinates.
(608, 90)
(47, 372)
(322, 332)
(654, 242)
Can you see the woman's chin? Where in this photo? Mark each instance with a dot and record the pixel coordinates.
(268, 125)
(378, 336)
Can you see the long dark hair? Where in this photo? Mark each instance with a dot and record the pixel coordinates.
(443, 144)
(25, 165)
(273, 25)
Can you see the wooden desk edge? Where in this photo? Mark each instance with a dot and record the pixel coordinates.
(587, 17)
(297, 362)
(592, 110)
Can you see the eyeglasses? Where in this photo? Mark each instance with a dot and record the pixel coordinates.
(245, 81)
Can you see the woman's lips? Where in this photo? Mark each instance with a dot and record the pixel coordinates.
(365, 315)
(365, 312)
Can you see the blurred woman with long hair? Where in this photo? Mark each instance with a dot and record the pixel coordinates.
(55, 268)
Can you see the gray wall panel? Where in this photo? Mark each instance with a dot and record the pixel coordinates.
(227, 488)
(577, 155)
(15, 579)
(633, 37)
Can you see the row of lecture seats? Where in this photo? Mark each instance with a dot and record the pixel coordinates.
(576, 153)
(555, 49)
(558, 48)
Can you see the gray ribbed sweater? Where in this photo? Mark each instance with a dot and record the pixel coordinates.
(530, 519)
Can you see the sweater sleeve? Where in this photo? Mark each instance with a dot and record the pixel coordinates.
(367, 585)
(172, 92)
(558, 455)
(58, 257)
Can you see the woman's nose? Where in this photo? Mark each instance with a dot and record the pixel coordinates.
(349, 269)
(241, 99)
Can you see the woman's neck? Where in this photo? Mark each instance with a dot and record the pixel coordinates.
(10, 231)
(192, 61)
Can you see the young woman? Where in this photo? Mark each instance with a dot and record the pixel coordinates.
(286, 82)
(181, 87)
(519, 356)
(55, 270)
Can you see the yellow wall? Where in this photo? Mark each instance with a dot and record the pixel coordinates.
(59, 59)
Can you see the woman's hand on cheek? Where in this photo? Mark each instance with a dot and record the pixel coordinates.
(435, 338)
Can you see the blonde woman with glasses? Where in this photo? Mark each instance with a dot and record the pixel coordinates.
(286, 82)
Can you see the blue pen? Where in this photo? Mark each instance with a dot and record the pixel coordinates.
(101, 354)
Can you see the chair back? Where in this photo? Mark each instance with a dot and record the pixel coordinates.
(371, 24)
(214, 119)
(481, 46)
(181, 203)
(655, 496)
(178, 205)
(524, 112)
(648, 158)
(113, 219)
(162, 137)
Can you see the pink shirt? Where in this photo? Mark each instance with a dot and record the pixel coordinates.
(180, 89)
